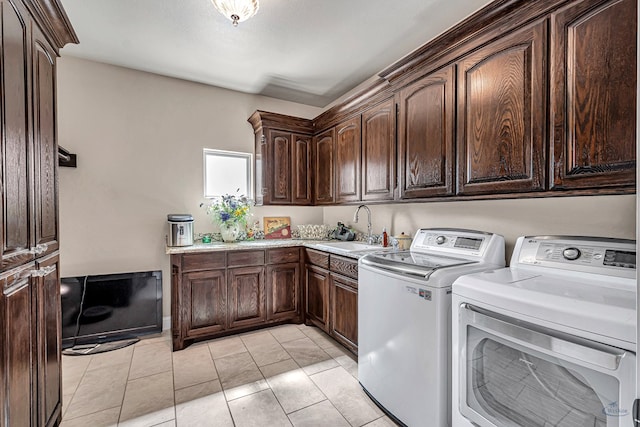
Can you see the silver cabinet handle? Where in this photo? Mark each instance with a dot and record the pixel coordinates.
(39, 249)
(41, 272)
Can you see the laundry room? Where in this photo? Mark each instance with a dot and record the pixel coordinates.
(292, 212)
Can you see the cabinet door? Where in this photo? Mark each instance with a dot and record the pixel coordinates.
(323, 149)
(348, 160)
(344, 311)
(49, 338)
(246, 296)
(16, 349)
(379, 152)
(283, 295)
(317, 297)
(593, 87)
(205, 300)
(426, 115)
(280, 156)
(45, 146)
(501, 115)
(301, 170)
(16, 169)
(261, 176)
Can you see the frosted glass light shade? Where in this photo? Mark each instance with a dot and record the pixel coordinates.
(236, 10)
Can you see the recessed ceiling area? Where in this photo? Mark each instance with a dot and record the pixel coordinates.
(307, 51)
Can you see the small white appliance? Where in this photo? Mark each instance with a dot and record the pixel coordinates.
(549, 341)
(404, 320)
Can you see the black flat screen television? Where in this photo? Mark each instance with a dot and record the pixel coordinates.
(110, 307)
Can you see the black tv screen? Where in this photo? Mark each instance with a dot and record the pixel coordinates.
(110, 307)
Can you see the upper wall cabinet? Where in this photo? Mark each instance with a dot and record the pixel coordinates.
(426, 129)
(521, 99)
(301, 175)
(593, 85)
(379, 152)
(16, 173)
(323, 169)
(282, 159)
(501, 115)
(348, 160)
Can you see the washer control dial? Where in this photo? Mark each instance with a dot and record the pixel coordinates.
(440, 240)
(571, 253)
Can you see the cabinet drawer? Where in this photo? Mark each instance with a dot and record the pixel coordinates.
(283, 255)
(242, 258)
(345, 266)
(203, 261)
(319, 258)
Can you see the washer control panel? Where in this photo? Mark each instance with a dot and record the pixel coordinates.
(573, 253)
(449, 240)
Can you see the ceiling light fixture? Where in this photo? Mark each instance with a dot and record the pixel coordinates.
(236, 10)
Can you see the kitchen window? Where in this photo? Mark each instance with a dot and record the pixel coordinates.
(227, 172)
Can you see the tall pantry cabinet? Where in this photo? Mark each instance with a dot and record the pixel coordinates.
(32, 32)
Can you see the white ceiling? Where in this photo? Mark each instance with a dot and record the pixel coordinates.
(308, 51)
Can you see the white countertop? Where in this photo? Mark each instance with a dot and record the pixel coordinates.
(260, 244)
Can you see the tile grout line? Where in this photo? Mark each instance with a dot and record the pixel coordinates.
(226, 402)
(126, 384)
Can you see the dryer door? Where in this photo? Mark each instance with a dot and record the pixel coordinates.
(516, 374)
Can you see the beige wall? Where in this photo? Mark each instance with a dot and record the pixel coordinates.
(139, 140)
(607, 216)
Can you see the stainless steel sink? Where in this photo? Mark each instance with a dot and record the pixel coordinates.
(348, 247)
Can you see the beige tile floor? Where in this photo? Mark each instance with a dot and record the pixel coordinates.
(282, 376)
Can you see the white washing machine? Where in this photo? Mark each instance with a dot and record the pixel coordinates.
(549, 341)
(404, 320)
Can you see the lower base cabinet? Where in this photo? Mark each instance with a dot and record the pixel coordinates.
(223, 292)
(246, 297)
(344, 311)
(30, 345)
(331, 296)
(317, 297)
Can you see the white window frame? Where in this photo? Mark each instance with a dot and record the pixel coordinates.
(248, 157)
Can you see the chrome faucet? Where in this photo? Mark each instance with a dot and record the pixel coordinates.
(355, 219)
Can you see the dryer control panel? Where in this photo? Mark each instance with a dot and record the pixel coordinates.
(589, 254)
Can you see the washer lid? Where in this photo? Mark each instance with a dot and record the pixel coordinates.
(601, 307)
(413, 263)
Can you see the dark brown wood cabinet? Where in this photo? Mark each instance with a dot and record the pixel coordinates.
(501, 115)
(246, 296)
(280, 153)
(32, 32)
(521, 99)
(17, 344)
(323, 167)
(593, 89)
(222, 292)
(283, 299)
(48, 327)
(317, 297)
(426, 134)
(301, 170)
(344, 311)
(46, 148)
(379, 152)
(348, 160)
(205, 302)
(282, 159)
(331, 296)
